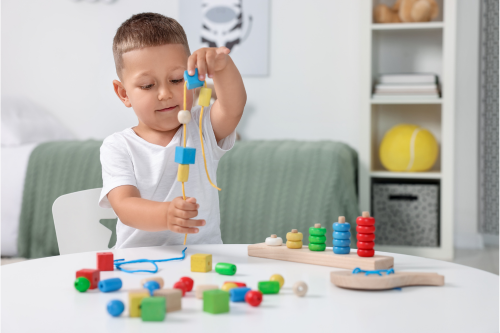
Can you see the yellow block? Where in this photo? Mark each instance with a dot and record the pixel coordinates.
(205, 95)
(183, 173)
(294, 244)
(134, 300)
(201, 262)
(228, 286)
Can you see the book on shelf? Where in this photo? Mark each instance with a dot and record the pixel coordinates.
(405, 97)
(407, 86)
(408, 78)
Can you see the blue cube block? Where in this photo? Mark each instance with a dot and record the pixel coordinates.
(238, 294)
(340, 234)
(341, 249)
(185, 155)
(341, 226)
(192, 81)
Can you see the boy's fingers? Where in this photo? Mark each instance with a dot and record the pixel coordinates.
(191, 64)
(185, 214)
(183, 230)
(202, 66)
(185, 205)
(210, 63)
(189, 222)
(222, 49)
(191, 200)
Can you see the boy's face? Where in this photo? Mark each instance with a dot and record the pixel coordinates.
(153, 85)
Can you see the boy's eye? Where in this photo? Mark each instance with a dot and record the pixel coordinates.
(177, 81)
(149, 86)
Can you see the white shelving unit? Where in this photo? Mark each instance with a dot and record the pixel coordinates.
(404, 48)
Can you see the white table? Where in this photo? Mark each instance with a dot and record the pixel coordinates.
(38, 296)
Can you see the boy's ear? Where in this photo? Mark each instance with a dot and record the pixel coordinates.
(121, 93)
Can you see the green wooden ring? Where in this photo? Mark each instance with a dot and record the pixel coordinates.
(317, 231)
(317, 247)
(317, 239)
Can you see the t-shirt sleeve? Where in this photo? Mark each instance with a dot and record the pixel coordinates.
(117, 168)
(218, 148)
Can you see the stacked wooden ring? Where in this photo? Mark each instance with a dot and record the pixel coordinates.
(341, 236)
(317, 239)
(366, 235)
(294, 239)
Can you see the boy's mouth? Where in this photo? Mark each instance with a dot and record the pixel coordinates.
(167, 109)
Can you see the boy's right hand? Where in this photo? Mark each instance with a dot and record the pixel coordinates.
(179, 216)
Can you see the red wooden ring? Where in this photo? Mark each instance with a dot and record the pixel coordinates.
(365, 237)
(365, 220)
(366, 253)
(365, 229)
(365, 245)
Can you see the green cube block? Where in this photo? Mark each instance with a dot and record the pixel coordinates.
(215, 301)
(269, 287)
(153, 308)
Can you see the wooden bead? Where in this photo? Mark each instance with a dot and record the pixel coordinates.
(294, 236)
(228, 286)
(279, 278)
(300, 289)
(155, 278)
(105, 261)
(173, 298)
(205, 95)
(183, 173)
(294, 244)
(134, 301)
(274, 241)
(201, 262)
(153, 308)
(184, 116)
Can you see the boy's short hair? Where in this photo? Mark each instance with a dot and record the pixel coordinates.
(144, 30)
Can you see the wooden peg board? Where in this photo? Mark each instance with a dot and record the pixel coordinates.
(374, 282)
(322, 258)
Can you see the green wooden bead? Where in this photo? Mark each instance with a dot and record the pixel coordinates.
(225, 268)
(82, 284)
(153, 308)
(215, 301)
(317, 239)
(269, 287)
(317, 247)
(317, 231)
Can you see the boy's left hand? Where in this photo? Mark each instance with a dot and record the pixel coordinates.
(208, 60)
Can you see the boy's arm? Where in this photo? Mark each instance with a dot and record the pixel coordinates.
(227, 110)
(148, 215)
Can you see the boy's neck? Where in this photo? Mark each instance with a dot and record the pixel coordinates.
(160, 138)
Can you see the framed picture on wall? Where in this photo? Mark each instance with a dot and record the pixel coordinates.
(240, 25)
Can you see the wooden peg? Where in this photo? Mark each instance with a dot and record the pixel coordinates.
(274, 236)
(341, 219)
(317, 225)
(294, 231)
(365, 214)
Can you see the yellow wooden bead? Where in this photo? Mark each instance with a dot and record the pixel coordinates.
(279, 278)
(134, 301)
(294, 244)
(201, 262)
(294, 236)
(228, 286)
(183, 173)
(205, 95)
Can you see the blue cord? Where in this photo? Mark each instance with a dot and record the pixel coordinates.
(378, 272)
(119, 264)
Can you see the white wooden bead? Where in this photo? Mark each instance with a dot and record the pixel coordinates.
(274, 241)
(184, 116)
(300, 288)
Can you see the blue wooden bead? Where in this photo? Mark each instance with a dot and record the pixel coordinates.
(192, 80)
(341, 242)
(238, 294)
(341, 235)
(151, 285)
(109, 285)
(341, 226)
(115, 307)
(185, 155)
(341, 249)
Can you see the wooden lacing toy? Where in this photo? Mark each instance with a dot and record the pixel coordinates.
(186, 155)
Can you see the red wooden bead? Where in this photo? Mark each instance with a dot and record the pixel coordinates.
(366, 253)
(188, 282)
(93, 275)
(253, 297)
(365, 237)
(239, 284)
(365, 220)
(182, 286)
(365, 245)
(105, 261)
(365, 229)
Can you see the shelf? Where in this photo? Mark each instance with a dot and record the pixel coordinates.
(406, 101)
(407, 26)
(406, 175)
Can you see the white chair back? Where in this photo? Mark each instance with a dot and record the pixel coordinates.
(76, 219)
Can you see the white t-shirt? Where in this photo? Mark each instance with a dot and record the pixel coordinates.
(127, 159)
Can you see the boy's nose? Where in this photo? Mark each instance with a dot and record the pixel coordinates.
(164, 93)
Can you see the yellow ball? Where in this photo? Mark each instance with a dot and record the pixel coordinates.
(228, 286)
(408, 147)
(279, 278)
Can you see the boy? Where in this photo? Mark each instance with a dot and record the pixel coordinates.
(139, 173)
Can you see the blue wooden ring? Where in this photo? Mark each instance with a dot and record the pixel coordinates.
(341, 242)
(341, 226)
(341, 249)
(341, 235)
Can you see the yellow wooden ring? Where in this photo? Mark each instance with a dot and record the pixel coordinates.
(294, 244)
(228, 286)
(294, 236)
(279, 278)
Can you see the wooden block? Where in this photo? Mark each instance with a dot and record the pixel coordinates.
(153, 309)
(158, 279)
(326, 258)
(135, 297)
(93, 275)
(205, 96)
(173, 298)
(203, 287)
(346, 279)
(183, 173)
(105, 261)
(201, 262)
(215, 301)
